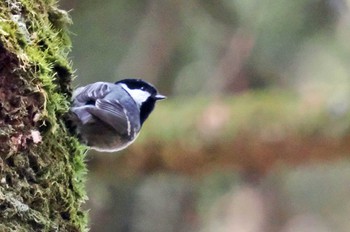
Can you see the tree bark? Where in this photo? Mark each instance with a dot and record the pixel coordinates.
(41, 167)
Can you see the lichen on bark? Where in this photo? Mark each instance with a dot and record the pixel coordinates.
(41, 167)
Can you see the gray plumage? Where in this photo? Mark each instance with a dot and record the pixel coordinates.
(106, 115)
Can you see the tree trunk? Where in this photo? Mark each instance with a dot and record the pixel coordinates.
(41, 167)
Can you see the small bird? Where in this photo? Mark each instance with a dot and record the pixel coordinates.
(108, 116)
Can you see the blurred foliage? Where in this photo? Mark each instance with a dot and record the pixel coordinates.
(198, 47)
(268, 115)
(253, 87)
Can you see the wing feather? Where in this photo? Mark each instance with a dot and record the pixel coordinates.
(111, 112)
(91, 92)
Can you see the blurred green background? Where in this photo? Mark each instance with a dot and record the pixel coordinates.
(254, 135)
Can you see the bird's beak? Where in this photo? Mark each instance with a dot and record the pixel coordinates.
(160, 97)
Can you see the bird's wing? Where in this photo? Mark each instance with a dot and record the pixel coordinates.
(91, 92)
(112, 113)
(82, 114)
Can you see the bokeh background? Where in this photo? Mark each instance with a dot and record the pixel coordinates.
(254, 135)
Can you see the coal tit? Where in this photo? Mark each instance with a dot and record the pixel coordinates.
(108, 116)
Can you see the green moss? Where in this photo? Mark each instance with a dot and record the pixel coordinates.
(36, 41)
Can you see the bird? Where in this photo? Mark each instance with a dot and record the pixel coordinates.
(108, 116)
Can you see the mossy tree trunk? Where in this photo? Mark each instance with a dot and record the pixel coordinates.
(41, 167)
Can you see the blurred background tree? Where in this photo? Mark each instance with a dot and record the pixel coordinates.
(254, 134)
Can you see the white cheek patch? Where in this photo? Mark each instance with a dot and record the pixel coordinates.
(138, 95)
